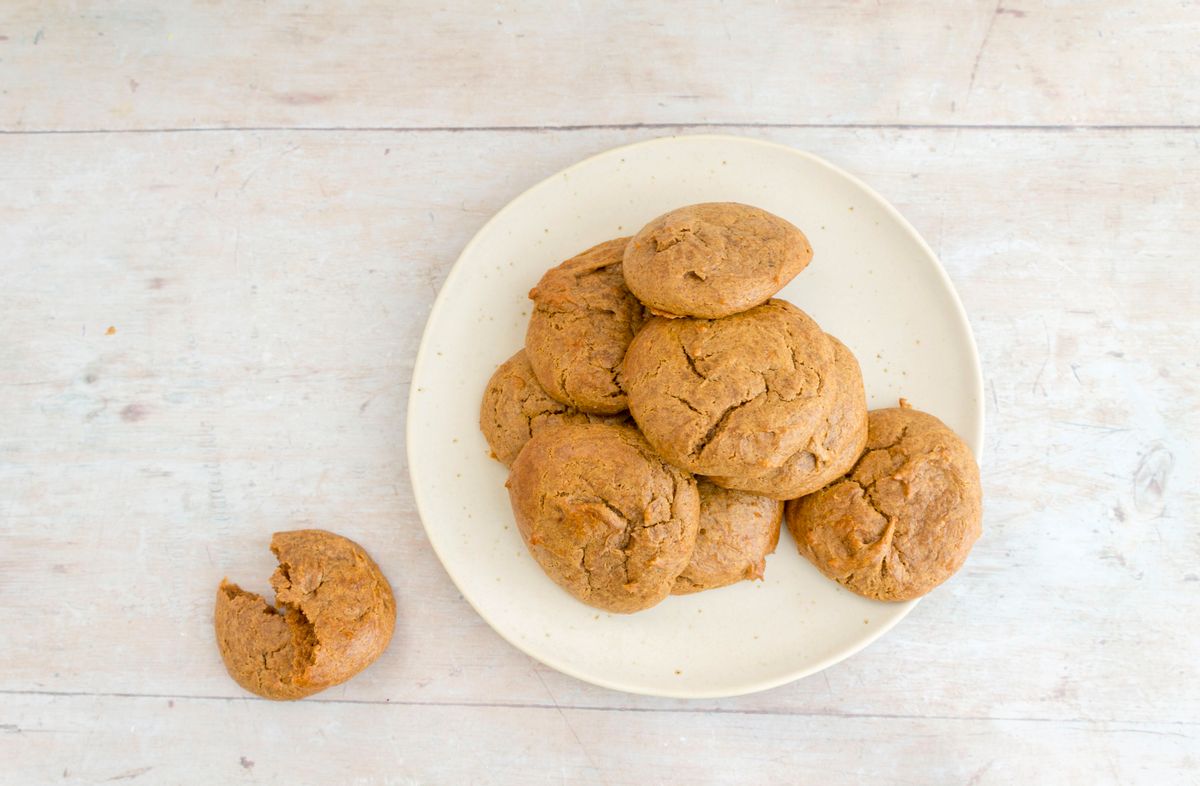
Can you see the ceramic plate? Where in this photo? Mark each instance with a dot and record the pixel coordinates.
(873, 283)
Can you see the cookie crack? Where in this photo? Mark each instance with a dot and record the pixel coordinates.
(587, 572)
(718, 425)
(886, 545)
(662, 244)
(562, 381)
(895, 551)
(557, 408)
(797, 365)
(686, 403)
(614, 510)
(895, 442)
(691, 362)
(614, 376)
(868, 494)
(285, 570)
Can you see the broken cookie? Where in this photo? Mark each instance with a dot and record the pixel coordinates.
(334, 615)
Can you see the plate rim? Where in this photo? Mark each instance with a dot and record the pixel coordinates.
(975, 439)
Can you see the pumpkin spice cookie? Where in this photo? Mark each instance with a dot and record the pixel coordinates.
(583, 319)
(733, 397)
(904, 518)
(606, 519)
(737, 532)
(515, 407)
(834, 447)
(335, 615)
(713, 259)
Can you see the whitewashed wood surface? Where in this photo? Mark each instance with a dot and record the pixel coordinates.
(261, 200)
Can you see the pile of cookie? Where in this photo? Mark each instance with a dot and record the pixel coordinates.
(666, 406)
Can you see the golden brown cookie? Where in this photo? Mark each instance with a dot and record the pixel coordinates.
(515, 407)
(583, 319)
(730, 397)
(607, 520)
(904, 519)
(713, 259)
(834, 447)
(737, 532)
(335, 615)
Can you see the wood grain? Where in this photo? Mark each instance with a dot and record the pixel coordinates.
(92, 739)
(267, 292)
(143, 64)
(208, 335)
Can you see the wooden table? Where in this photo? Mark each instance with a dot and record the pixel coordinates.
(222, 226)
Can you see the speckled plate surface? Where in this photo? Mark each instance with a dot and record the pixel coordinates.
(873, 282)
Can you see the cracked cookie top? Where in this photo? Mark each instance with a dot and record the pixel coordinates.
(583, 319)
(334, 615)
(834, 446)
(737, 532)
(515, 407)
(904, 518)
(604, 517)
(730, 397)
(713, 259)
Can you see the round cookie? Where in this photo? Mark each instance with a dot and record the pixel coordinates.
(583, 319)
(335, 615)
(904, 519)
(607, 520)
(713, 259)
(835, 446)
(737, 532)
(730, 397)
(515, 407)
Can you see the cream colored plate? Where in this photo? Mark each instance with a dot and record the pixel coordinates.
(873, 282)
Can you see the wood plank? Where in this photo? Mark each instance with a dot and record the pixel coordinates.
(94, 739)
(268, 290)
(145, 65)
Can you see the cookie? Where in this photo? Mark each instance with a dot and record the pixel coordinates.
(904, 518)
(606, 519)
(713, 259)
(583, 319)
(334, 615)
(515, 407)
(834, 447)
(732, 397)
(737, 532)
